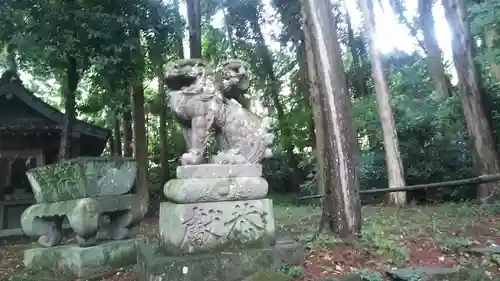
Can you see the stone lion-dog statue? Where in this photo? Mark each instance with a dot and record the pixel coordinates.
(203, 101)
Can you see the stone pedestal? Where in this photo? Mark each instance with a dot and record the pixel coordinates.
(154, 265)
(80, 262)
(218, 226)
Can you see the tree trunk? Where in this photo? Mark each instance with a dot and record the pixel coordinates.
(72, 80)
(272, 90)
(361, 89)
(471, 95)
(319, 126)
(11, 57)
(194, 20)
(163, 128)
(229, 32)
(127, 133)
(139, 121)
(117, 136)
(395, 170)
(340, 136)
(111, 144)
(433, 52)
(491, 38)
(306, 88)
(179, 33)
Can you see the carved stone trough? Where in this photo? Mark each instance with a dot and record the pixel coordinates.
(82, 189)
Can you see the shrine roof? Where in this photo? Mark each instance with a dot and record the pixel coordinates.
(11, 86)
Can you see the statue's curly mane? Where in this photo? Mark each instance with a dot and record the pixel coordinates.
(202, 103)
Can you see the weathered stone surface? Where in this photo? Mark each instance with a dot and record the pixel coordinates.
(199, 227)
(207, 171)
(154, 265)
(45, 219)
(438, 274)
(74, 261)
(268, 276)
(82, 178)
(202, 104)
(215, 189)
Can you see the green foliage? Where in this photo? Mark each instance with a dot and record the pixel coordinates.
(454, 244)
(293, 271)
(104, 36)
(370, 275)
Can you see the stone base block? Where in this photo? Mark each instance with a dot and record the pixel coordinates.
(75, 261)
(154, 265)
(217, 226)
(215, 189)
(208, 171)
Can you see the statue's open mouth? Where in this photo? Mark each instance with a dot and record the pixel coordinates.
(178, 82)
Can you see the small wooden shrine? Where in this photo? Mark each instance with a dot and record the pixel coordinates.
(30, 132)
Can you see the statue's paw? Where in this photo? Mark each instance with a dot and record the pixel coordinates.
(229, 157)
(191, 158)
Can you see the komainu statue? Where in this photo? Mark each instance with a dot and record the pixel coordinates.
(202, 103)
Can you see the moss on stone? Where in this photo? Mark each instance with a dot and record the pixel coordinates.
(74, 179)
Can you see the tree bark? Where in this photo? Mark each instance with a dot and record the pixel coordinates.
(433, 52)
(361, 89)
(179, 32)
(117, 136)
(163, 128)
(72, 79)
(127, 133)
(194, 20)
(339, 134)
(11, 57)
(472, 98)
(139, 122)
(319, 126)
(395, 170)
(306, 87)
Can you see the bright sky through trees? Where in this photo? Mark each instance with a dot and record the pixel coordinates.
(390, 34)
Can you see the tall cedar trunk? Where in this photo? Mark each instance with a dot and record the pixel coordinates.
(72, 80)
(111, 144)
(227, 27)
(395, 170)
(117, 136)
(305, 84)
(11, 57)
(194, 20)
(359, 82)
(179, 31)
(272, 91)
(139, 121)
(341, 175)
(491, 39)
(471, 95)
(319, 126)
(163, 128)
(127, 133)
(433, 52)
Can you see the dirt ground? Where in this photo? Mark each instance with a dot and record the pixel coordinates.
(414, 236)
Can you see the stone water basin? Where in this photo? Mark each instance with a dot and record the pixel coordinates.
(82, 177)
